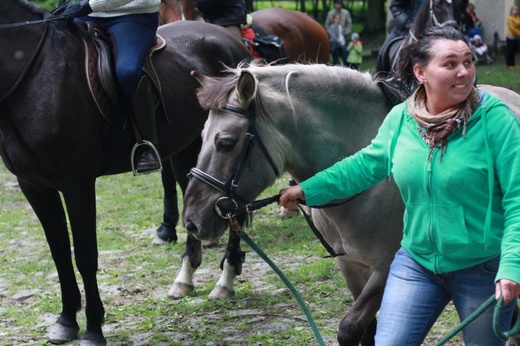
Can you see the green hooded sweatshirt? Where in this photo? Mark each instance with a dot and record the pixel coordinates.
(461, 210)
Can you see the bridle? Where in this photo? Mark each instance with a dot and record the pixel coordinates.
(435, 21)
(230, 186)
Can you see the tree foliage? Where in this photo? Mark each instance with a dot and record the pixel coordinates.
(48, 4)
(369, 12)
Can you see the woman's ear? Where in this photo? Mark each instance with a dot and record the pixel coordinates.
(419, 74)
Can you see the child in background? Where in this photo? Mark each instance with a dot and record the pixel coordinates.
(337, 41)
(355, 49)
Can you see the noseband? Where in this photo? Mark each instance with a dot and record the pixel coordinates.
(231, 184)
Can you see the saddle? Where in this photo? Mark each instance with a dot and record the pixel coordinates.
(390, 54)
(267, 47)
(99, 68)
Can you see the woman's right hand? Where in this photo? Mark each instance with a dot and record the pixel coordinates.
(290, 197)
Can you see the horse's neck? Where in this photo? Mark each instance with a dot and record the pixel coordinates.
(332, 133)
(16, 12)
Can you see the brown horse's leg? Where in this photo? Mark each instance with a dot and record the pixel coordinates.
(47, 205)
(80, 199)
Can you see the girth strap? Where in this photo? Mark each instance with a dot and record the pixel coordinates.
(318, 235)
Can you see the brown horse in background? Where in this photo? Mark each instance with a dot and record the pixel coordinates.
(305, 40)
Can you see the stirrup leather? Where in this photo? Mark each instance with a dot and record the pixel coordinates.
(132, 158)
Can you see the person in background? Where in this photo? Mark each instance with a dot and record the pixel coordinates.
(131, 26)
(404, 12)
(512, 37)
(345, 22)
(471, 25)
(355, 50)
(449, 149)
(230, 14)
(337, 41)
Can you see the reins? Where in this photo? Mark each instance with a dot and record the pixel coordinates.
(19, 24)
(496, 321)
(235, 227)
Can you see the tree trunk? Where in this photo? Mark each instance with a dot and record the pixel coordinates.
(376, 16)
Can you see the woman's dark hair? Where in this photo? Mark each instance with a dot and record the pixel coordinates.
(420, 52)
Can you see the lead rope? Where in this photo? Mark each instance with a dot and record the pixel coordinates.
(235, 227)
(496, 321)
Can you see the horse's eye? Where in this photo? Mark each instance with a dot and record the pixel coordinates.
(226, 144)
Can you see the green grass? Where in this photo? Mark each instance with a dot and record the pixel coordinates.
(135, 276)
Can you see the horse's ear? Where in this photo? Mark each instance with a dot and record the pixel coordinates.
(246, 88)
(202, 79)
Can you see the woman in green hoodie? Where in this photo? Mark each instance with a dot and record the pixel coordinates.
(453, 152)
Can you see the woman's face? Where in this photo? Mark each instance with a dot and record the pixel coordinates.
(448, 76)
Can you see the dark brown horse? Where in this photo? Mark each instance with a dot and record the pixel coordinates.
(431, 13)
(305, 41)
(54, 139)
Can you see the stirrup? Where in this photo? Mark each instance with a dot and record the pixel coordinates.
(132, 157)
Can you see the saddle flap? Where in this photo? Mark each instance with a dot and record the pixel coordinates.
(99, 67)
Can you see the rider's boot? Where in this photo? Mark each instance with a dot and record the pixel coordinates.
(145, 157)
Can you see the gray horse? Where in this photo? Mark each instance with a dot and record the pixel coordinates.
(302, 119)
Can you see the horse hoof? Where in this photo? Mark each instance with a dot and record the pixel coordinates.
(158, 241)
(286, 213)
(180, 290)
(166, 233)
(220, 292)
(60, 334)
(101, 342)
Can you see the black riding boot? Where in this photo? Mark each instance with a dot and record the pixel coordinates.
(145, 157)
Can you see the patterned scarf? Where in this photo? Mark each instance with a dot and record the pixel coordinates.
(434, 129)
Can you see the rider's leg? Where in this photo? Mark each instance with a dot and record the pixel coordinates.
(132, 37)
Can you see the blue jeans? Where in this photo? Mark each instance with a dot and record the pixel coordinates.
(415, 297)
(132, 37)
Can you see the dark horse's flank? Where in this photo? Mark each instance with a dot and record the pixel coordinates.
(54, 139)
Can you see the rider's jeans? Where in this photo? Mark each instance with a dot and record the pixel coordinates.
(415, 297)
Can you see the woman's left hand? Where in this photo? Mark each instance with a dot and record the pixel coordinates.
(507, 288)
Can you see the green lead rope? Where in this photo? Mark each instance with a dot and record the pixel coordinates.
(496, 321)
(277, 270)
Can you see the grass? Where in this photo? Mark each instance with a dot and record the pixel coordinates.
(134, 276)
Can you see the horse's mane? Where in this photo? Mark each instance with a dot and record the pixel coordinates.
(422, 19)
(30, 6)
(323, 78)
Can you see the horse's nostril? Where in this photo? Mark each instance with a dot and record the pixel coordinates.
(190, 226)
